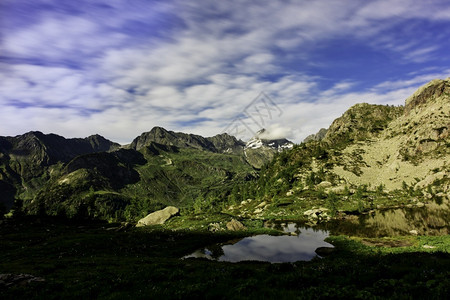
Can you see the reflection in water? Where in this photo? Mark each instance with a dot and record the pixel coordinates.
(269, 248)
(432, 219)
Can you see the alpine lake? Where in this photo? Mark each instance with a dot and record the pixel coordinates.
(302, 241)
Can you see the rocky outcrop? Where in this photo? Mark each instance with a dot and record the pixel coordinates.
(361, 122)
(316, 137)
(427, 93)
(225, 143)
(158, 217)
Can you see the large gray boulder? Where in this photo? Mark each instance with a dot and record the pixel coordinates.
(158, 217)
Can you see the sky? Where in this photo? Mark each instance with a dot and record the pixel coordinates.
(120, 67)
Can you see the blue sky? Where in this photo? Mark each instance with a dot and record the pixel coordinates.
(118, 68)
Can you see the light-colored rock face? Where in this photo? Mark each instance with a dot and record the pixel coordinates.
(410, 147)
(158, 217)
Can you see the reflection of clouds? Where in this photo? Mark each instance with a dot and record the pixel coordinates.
(277, 248)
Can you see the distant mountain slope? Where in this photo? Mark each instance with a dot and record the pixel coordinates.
(25, 159)
(222, 143)
(94, 177)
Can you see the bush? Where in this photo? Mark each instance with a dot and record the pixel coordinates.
(332, 202)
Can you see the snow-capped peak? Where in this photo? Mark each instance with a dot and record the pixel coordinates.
(277, 144)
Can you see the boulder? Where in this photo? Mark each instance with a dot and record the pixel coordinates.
(158, 217)
(324, 184)
(235, 225)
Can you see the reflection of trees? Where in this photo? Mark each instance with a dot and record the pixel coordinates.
(431, 219)
(216, 251)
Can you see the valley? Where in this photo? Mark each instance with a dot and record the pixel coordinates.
(69, 209)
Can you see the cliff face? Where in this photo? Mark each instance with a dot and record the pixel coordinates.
(425, 95)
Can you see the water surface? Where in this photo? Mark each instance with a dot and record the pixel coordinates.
(275, 249)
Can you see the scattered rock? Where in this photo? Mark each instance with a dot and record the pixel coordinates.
(262, 204)
(158, 217)
(235, 225)
(429, 180)
(258, 211)
(414, 232)
(317, 214)
(214, 227)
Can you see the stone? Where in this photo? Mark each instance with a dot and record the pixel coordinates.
(428, 247)
(158, 217)
(324, 184)
(414, 232)
(258, 211)
(430, 179)
(235, 225)
(338, 190)
(214, 227)
(420, 204)
(262, 204)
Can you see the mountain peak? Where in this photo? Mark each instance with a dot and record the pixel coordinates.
(260, 149)
(219, 143)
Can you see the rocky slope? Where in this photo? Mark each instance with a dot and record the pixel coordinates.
(371, 155)
(413, 145)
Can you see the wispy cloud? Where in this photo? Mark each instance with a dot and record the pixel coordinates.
(119, 68)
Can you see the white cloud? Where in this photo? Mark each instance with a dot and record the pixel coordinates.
(200, 60)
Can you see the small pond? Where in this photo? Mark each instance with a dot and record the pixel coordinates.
(275, 249)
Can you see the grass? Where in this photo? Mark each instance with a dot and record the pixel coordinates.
(100, 260)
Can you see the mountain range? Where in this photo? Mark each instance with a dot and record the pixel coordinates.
(369, 145)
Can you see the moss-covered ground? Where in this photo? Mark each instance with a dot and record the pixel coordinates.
(106, 261)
